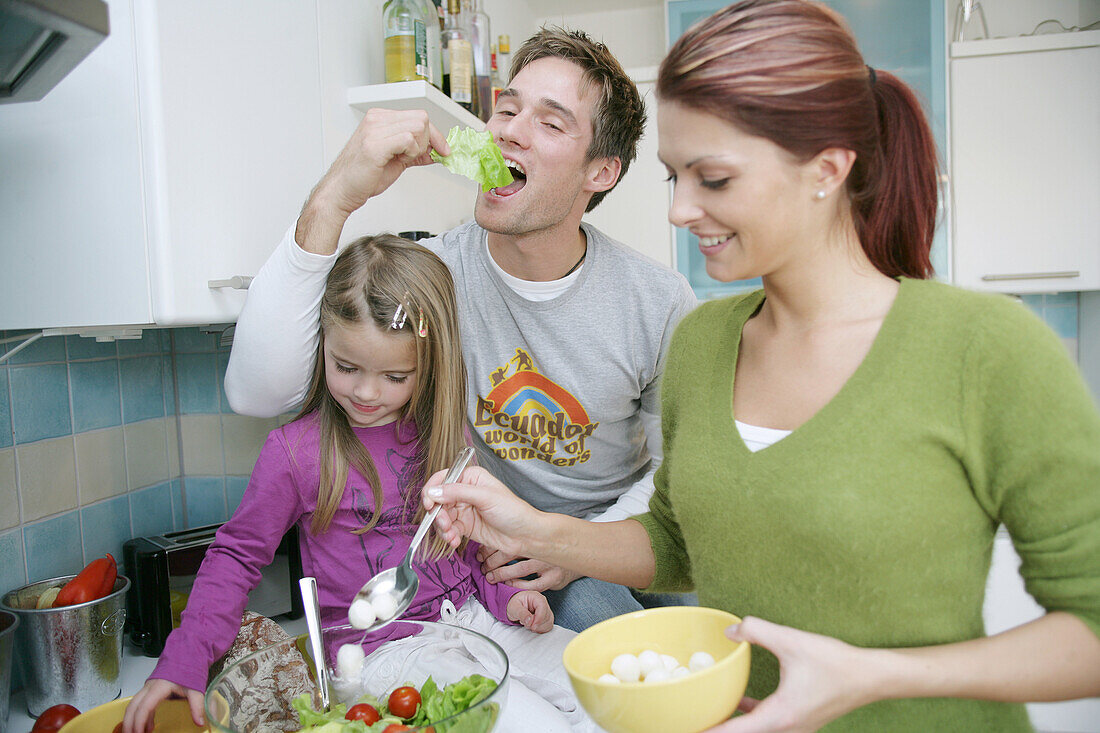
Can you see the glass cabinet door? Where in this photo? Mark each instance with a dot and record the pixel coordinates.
(906, 38)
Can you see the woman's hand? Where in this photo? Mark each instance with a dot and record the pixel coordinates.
(482, 508)
(531, 609)
(820, 679)
(139, 713)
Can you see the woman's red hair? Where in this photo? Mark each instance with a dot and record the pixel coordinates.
(790, 71)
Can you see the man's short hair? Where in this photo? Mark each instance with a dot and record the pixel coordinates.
(619, 118)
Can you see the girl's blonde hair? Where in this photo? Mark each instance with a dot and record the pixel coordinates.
(371, 278)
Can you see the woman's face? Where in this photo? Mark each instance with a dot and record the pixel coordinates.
(747, 200)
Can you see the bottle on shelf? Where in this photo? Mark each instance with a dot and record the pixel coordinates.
(458, 59)
(495, 80)
(480, 37)
(405, 41)
(433, 42)
(504, 58)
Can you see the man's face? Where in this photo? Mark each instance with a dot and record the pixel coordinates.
(543, 125)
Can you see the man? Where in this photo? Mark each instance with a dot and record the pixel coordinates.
(564, 329)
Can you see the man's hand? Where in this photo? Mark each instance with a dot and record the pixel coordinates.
(383, 146)
(532, 610)
(502, 568)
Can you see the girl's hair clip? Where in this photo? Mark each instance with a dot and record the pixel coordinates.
(422, 327)
(399, 317)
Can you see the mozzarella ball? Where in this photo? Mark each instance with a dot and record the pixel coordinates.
(349, 661)
(669, 662)
(658, 674)
(609, 678)
(700, 660)
(680, 672)
(361, 613)
(385, 606)
(648, 661)
(626, 668)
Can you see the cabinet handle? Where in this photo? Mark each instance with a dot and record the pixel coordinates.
(1033, 276)
(237, 282)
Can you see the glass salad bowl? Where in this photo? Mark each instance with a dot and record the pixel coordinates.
(257, 693)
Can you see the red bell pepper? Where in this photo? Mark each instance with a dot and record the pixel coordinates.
(95, 581)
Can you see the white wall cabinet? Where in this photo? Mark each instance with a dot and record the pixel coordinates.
(176, 154)
(1025, 142)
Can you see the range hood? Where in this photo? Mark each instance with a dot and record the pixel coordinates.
(43, 40)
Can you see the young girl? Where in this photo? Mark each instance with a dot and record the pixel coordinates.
(384, 411)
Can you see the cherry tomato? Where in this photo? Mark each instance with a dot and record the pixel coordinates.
(404, 701)
(53, 718)
(118, 728)
(363, 712)
(395, 728)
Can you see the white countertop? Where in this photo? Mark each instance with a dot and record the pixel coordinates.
(136, 668)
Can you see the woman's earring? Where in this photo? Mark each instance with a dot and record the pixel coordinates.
(820, 194)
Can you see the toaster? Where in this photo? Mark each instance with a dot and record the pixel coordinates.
(162, 570)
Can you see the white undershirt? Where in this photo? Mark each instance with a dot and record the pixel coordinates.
(757, 438)
(531, 290)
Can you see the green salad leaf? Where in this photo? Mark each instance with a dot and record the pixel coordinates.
(331, 722)
(476, 156)
(435, 705)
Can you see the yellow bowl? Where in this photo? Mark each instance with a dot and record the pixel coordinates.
(680, 705)
(172, 716)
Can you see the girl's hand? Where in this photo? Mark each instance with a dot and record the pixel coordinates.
(532, 610)
(820, 680)
(139, 713)
(482, 508)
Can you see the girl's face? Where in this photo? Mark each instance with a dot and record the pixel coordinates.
(746, 199)
(370, 371)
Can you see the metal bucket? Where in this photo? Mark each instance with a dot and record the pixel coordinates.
(9, 622)
(71, 654)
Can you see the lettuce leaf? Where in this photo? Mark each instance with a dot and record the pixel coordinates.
(476, 156)
(435, 705)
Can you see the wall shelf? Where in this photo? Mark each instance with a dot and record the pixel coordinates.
(1025, 44)
(443, 112)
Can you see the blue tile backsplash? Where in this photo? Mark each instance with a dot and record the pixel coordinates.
(39, 401)
(106, 526)
(62, 397)
(54, 546)
(151, 510)
(197, 383)
(142, 388)
(205, 500)
(5, 411)
(95, 394)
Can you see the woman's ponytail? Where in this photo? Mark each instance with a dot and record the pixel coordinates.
(896, 214)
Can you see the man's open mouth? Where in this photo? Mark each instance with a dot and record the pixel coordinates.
(520, 179)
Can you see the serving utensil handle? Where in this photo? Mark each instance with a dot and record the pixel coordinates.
(425, 524)
(312, 606)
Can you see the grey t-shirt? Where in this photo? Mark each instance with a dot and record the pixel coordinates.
(559, 391)
(556, 387)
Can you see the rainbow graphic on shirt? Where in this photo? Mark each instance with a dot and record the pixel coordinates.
(527, 416)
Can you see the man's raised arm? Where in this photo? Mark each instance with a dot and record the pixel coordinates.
(275, 340)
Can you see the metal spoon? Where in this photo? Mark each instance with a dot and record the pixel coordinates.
(312, 608)
(401, 582)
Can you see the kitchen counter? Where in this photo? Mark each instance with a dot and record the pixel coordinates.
(136, 668)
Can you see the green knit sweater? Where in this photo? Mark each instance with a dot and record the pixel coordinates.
(873, 522)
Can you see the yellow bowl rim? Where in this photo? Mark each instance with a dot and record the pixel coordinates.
(734, 657)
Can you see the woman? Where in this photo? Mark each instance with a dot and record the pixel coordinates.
(842, 445)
